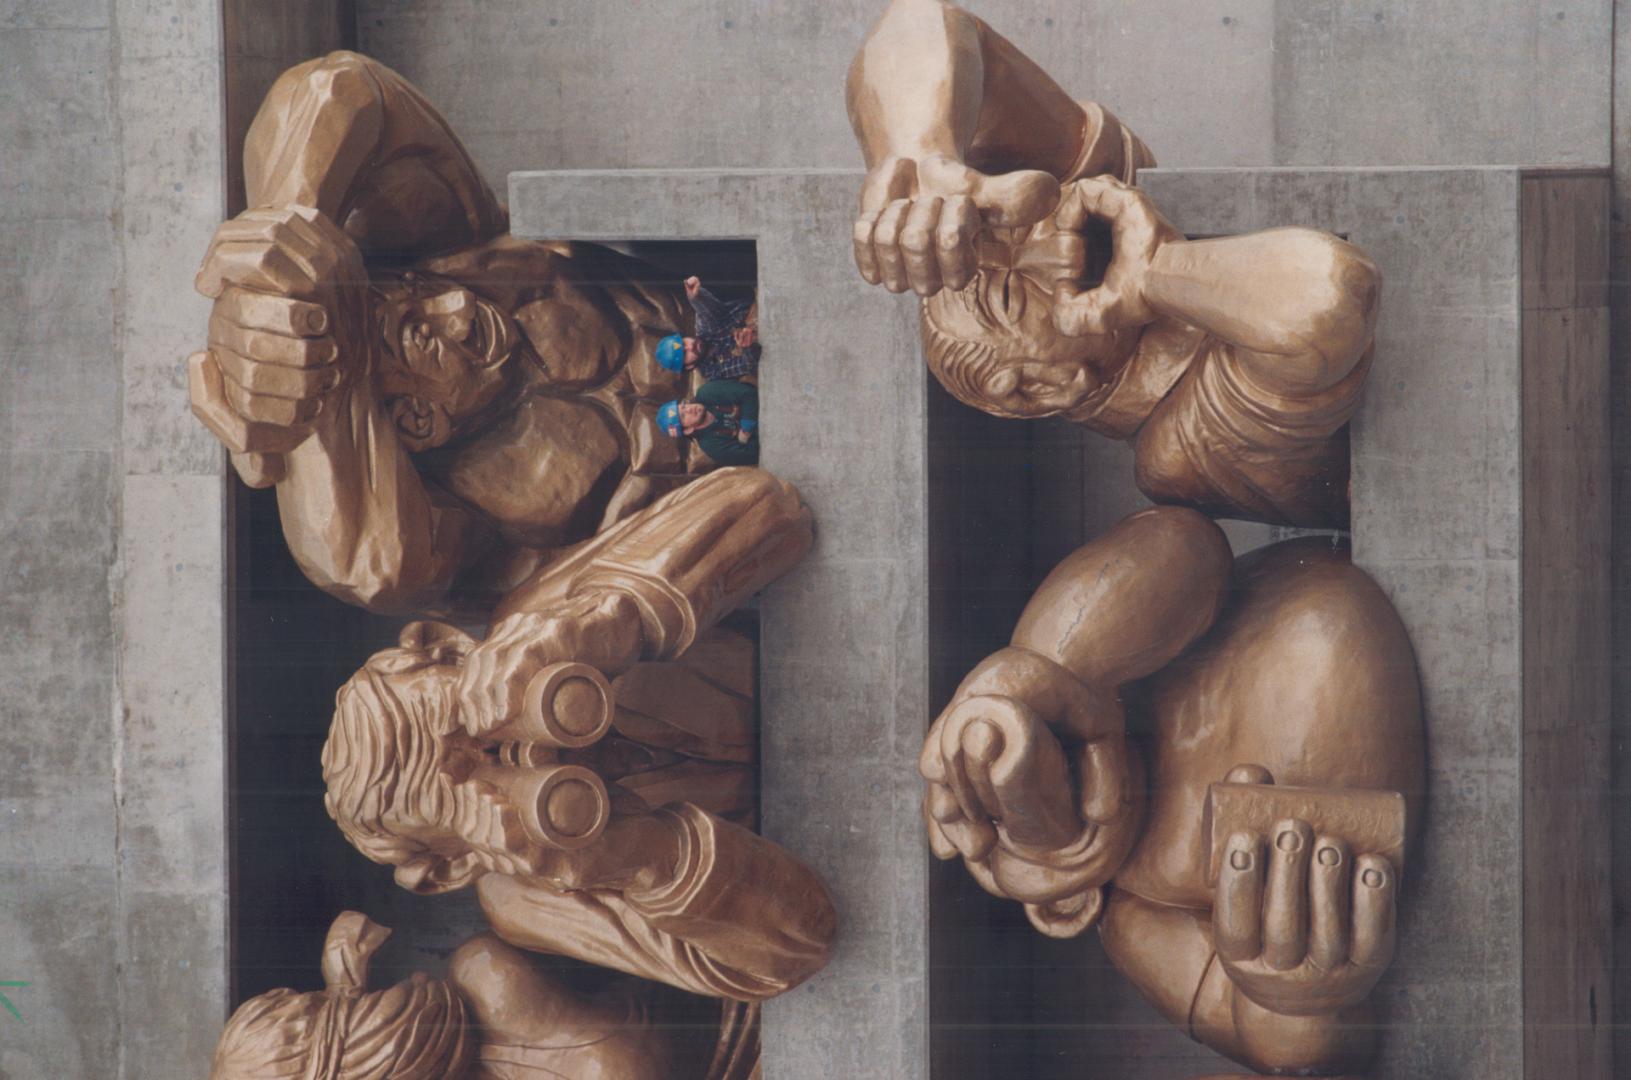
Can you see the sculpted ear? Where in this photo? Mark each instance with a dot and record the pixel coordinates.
(432, 875)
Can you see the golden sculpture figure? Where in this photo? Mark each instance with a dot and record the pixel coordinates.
(1217, 761)
(495, 1017)
(1232, 364)
(458, 420)
(442, 406)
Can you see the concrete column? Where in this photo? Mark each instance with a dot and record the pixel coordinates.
(844, 655)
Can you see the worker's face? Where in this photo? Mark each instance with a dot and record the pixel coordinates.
(693, 351)
(692, 415)
(445, 358)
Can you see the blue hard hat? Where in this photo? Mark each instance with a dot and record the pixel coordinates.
(671, 352)
(668, 419)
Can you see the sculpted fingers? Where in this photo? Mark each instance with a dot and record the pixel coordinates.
(1015, 199)
(272, 313)
(264, 409)
(971, 838)
(891, 180)
(1237, 914)
(866, 260)
(1328, 894)
(954, 238)
(917, 243)
(886, 245)
(268, 347)
(1285, 903)
(253, 265)
(1077, 313)
(1375, 888)
(275, 380)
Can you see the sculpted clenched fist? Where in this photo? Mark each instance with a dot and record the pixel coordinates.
(290, 292)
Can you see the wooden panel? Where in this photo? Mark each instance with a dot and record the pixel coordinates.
(1567, 928)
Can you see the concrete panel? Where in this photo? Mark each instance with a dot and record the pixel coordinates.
(1465, 82)
(844, 661)
(58, 509)
(170, 936)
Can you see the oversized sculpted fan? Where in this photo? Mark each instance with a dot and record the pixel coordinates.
(1216, 760)
(460, 421)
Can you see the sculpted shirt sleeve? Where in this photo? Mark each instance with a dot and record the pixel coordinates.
(1224, 444)
(740, 919)
(688, 559)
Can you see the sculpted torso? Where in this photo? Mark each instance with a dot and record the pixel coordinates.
(1308, 673)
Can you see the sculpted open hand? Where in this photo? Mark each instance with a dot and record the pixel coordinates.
(920, 219)
(290, 292)
(1137, 232)
(1302, 927)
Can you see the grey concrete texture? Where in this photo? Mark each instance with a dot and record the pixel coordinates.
(844, 679)
(110, 527)
(58, 511)
(758, 83)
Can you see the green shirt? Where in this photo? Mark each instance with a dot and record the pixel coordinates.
(735, 406)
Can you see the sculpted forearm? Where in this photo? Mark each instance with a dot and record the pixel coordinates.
(320, 123)
(1300, 304)
(360, 521)
(933, 80)
(915, 87)
(350, 137)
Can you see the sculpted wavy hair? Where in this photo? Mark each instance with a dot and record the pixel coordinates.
(386, 776)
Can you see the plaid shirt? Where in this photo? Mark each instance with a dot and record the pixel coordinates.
(717, 323)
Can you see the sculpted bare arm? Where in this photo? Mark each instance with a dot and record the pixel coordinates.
(348, 136)
(287, 380)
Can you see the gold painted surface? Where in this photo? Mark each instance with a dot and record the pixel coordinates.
(1053, 287)
(460, 421)
(435, 400)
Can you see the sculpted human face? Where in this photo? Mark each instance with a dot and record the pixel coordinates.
(993, 343)
(445, 358)
(409, 786)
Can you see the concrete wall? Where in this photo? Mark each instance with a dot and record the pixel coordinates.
(535, 84)
(112, 859)
(59, 402)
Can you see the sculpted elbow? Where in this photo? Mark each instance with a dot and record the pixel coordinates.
(1343, 294)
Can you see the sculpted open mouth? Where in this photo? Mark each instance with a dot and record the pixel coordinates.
(491, 338)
